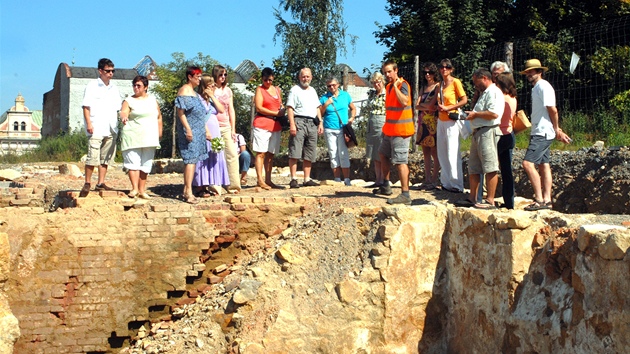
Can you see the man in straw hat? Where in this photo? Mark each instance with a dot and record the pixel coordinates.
(545, 128)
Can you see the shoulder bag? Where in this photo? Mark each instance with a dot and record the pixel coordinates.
(348, 133)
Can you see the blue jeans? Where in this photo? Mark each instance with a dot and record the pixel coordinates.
(244, 161)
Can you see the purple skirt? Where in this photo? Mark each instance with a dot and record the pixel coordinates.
(213, 170)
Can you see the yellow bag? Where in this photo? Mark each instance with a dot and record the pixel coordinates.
(520, 122)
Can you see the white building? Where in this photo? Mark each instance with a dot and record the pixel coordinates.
(63, 111)
(20, 128)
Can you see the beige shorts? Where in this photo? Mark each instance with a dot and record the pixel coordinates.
(101, 151)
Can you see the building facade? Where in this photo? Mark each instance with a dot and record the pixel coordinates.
(20, 128)
(63, 109)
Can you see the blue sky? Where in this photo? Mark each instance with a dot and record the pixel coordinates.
(36, 36)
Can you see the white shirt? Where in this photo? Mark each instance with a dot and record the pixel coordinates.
(104, 102)
(543, 96)
(303, 101)
(490, 100)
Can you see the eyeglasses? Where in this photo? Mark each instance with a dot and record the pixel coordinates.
(108, 71)
(446, 67)
(138, 85)
(331, 85)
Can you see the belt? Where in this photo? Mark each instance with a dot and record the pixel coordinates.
(487, 126)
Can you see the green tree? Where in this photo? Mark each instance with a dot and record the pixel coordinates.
(314, 38)
(172, 76)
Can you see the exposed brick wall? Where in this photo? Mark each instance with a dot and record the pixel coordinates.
(84, 279)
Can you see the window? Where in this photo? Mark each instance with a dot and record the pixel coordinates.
(23, 126)
(15, 126)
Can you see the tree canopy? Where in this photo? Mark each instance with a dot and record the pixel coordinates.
(312, 35)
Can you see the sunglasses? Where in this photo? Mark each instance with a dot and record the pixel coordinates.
(268, 80)
(428, 73)
(108, 71)
(138, 85)
(224, 74)
(446, 67)
(331, 85)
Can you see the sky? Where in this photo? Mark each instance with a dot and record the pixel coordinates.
(37, 35)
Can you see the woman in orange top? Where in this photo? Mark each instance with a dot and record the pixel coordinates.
(266, 131)
(451, 97)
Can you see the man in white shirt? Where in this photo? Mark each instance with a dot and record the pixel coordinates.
(545, 128)
(484, 121)
(101, 103)
(305, 124)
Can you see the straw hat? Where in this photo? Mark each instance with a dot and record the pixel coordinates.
(532, 64)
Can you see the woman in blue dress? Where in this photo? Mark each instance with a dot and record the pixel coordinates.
(191, 130)
(211, 172)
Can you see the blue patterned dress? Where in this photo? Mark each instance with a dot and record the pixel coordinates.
(195, 150)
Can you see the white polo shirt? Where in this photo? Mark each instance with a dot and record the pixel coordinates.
(104, 102)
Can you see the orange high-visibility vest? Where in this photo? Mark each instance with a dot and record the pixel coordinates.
(398, 118)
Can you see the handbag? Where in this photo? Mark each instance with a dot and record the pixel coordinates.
(348, 133)
(520, 122)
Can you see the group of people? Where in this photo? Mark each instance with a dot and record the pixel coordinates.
(205, 112)
(309, 116)
(441, 125)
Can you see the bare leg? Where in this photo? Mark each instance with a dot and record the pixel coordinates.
(337, 172)
(307, 169)
(534, 179)
(293, 167)
(259, 165)
(426, 154)
(142, 182)
(436, 166)
(474, 186)
(268, 167)
(189, 174)
(545, 175)
(492, 179)
(346, 172)
(385, 167)
(134, 176)
(88, 173)
(403, 172)
(378, 172)
(102, 171)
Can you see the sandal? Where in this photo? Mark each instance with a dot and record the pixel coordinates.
(264, 186)
(536, 205)
(190, 199)
(484, 205)
(132, 194)
(275, 186)
(144, 195)
(466, 203)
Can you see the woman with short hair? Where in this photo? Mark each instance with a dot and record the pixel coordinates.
(337, 110)
(266, 129)
(140, 135)
(505, 146)
(375, 109)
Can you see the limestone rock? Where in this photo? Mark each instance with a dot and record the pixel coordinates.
(286, 254)
(349, 291)
(615, 246)
(9, 175)
(69, 169)
(599, 145)
(592, 235)
(247, 291)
